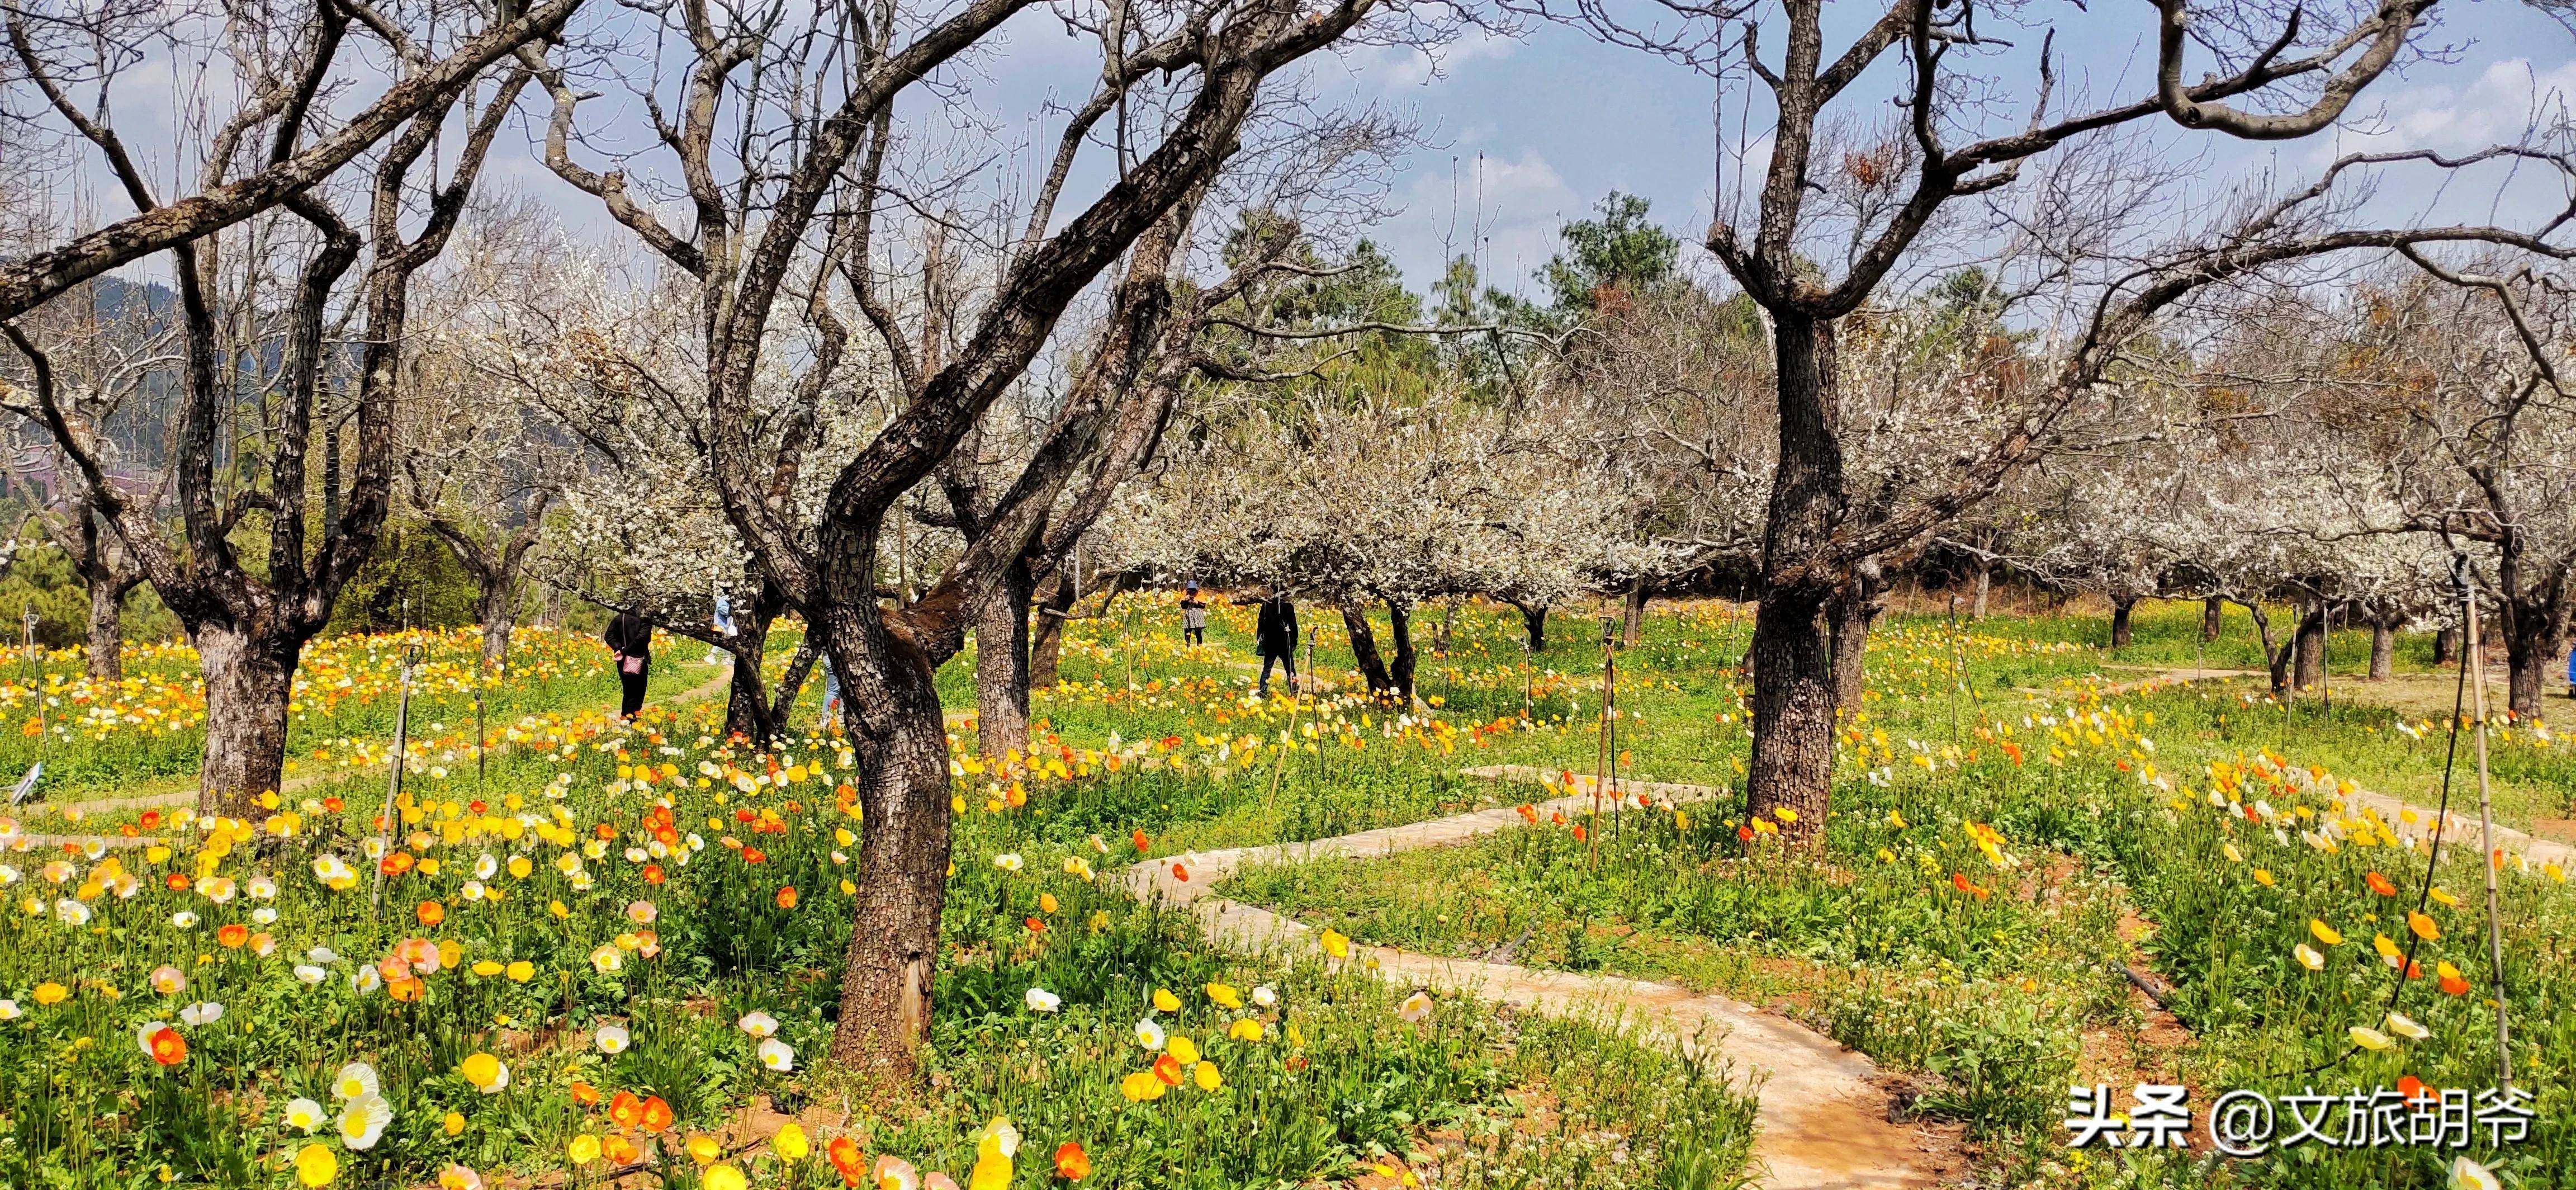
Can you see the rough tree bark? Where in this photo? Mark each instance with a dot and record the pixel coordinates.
(2535, 643)
(2446, 647)
(1851, 615)
(1399, 673)
(1003, 673)
(2383, 649)
(2213, 616)
(1534, 622)
(2121, 631)
(249, 682)
(1046, 636)
(2309, 647)
(1364, 653)
(1793, 687)
(1633, 615)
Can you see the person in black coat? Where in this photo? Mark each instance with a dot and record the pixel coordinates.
(631, 640)
(1274, 632)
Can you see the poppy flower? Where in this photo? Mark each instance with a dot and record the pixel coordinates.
(164, 1044)
(233, 935)
(1071, 1163)
(2423, 926)
(626, 1109)
(657, 1115)
(430, 913)
(1168, 1069)
(845, 1156)
(2413, 1089)
(787, 897)
(2380, 884)
(653, 874)
(1143, 844)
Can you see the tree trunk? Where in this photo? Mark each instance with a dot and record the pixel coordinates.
(1793, 688)
(1851, 615)
(1002, 664)
(1985, 583)
(106, 632)
(2121, 632)
(2213, 616)
(248, 683)
(1634, 615)
(2535, 646)
(747, 703)
(1534, 619)
(2310, 648)
(2446, 647)
(1400, 674)
(498, 607)
(890, 708)
(2383, 650)
(1046, 636)
(1364, 652)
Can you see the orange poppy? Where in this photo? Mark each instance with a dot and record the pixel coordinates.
(652, 873)
(1180, 873)
(175, 882)
(233, 935)
(2380, 884)
(787, 897)
(845, 1156)
(2454, 985)
(584, 1094)
(753, 855)
(1168, 1069)
(1071, 1163)
(430, 914)
(168, 1048)
(657, 1115)
(405, 990)
(1142, 843)
(626, 1109)
(619, 1150)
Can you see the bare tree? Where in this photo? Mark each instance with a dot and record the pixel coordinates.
(1870, 210)
(259, 361)
(63, 48)
(802, 218)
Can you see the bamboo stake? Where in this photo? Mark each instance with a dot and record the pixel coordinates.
(2487, 858)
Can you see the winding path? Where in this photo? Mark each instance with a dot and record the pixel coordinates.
(1824, 1120)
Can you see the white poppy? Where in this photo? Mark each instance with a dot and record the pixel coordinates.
(363, 1121)
(758, 1024)
(612, 1039)
(184, 920)
(357, 1080)
(777, 1055)
(304, 1115)
(1042, 1000)
(1149, 1034)
(311, 974)
(201, 1014)
(1263, 996)
(71, 912)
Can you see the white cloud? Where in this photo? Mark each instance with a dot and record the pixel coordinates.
(2499, 106)
(1517, 203)
(1398, 66)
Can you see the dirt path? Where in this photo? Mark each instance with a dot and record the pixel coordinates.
(2421, 694)
(186, 794)
(1823, 1120)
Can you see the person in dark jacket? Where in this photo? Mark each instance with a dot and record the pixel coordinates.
(1275, 634)
(631, 640)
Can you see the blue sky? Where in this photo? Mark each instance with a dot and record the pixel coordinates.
(1556, 120)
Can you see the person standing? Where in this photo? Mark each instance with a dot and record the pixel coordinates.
(630, 640)
(1275, 634)
(1193, 617)
(722, 622)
